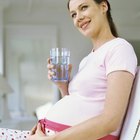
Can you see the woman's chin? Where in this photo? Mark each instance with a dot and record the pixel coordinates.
(87, 33)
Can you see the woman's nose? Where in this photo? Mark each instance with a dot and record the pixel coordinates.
(80, 16)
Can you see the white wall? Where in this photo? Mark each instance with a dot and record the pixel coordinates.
(67, 36)
(1, 40)
(1, 54)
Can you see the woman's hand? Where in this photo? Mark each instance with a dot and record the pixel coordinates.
(51, 73)
(36, 133)
(63, 86)
(33, 130)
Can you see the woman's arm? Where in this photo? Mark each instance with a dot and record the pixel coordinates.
(118, 92)
(117, 96)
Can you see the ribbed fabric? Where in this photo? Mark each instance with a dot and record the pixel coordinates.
(109, 137)
(52, 125)
(60, 127)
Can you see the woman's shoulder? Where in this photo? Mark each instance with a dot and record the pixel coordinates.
(121, 44)
(123, 40)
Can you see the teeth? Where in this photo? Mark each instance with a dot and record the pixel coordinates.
(84, 26)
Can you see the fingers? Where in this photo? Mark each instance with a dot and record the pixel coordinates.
(70, 68)
(39, 130)
(36, 133)
(50, 74)
(48, 60)
(50, 67)
(39, 127)
(33, 130)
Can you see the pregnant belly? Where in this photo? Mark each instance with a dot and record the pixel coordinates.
(73, 109)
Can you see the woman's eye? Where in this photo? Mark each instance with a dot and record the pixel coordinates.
(73, 15)
(84, 7)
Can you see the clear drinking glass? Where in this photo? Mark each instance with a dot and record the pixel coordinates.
(60, 58)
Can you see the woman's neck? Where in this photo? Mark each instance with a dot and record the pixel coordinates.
(104, 35)
(99, 41)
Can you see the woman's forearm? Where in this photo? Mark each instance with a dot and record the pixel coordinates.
(91, 129)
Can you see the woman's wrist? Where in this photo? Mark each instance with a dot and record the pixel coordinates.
(63, 89)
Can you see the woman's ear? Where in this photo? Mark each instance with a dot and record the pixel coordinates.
(104, 6)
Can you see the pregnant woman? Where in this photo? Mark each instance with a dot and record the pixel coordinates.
(94, 101)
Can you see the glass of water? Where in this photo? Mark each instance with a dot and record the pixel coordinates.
(60, 58)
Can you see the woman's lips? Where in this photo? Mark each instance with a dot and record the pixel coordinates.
(84, 25)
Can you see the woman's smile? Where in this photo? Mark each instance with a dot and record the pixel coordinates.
(84, 24)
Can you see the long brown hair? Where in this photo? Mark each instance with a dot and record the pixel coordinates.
(109, 17)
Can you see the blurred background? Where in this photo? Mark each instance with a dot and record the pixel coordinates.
(28, 29)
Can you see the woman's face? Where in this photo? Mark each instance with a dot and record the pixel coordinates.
(88, 16)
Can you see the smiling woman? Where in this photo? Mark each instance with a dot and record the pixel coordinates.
(95, 100)
(84, 6)
(93, 111)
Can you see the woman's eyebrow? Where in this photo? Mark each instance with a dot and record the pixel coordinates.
(78, 7)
